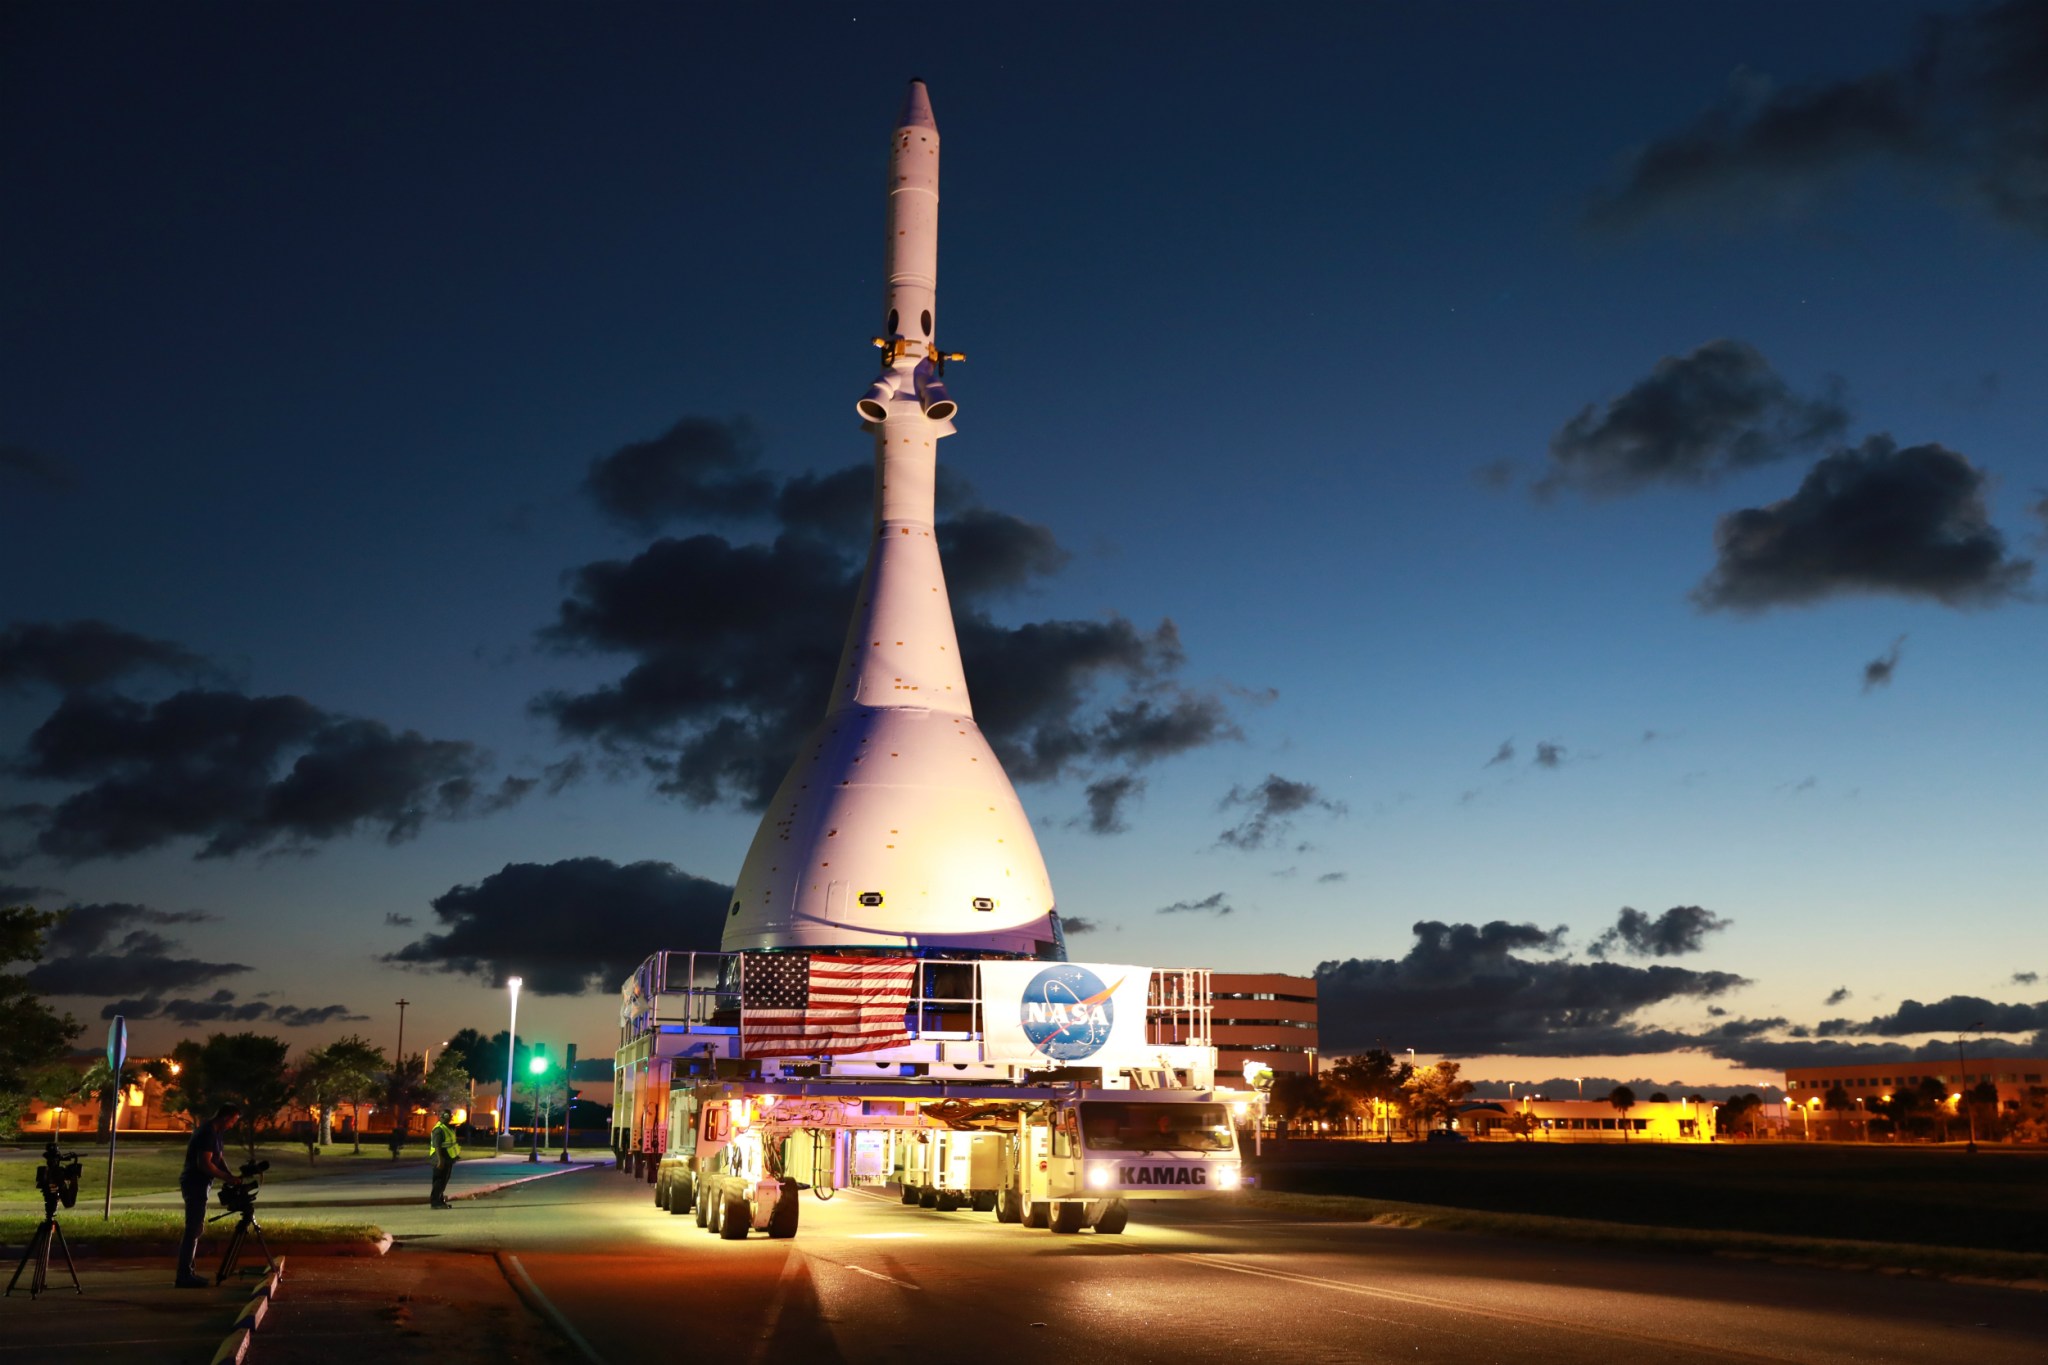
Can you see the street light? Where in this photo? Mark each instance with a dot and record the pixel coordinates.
(511, 1047)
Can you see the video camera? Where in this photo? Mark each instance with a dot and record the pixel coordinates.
(239, 1196)
(57, 1177)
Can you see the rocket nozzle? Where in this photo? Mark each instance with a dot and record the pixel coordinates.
(874, 404)
(931, 395)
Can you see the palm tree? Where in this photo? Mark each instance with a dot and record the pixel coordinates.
(100, 1083)
(1623, 1099)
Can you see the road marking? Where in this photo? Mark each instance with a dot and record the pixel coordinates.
(554, 1315)
(1456, 1306)
(877, 1275)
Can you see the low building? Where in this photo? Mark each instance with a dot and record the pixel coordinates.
(1263, 1018)
(1679, 1120)
(2021, 1085)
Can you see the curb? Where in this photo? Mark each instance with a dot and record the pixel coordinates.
(235, 1346)
(482, 1190)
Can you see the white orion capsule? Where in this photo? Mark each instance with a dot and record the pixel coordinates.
(896, 827)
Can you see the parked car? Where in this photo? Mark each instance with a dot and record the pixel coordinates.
(1446, 1135)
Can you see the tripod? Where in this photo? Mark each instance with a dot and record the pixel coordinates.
(49, 1234)
(234, 1251)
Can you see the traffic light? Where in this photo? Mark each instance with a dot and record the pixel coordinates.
(537, 1065)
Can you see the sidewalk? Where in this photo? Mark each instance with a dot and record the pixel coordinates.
(125, 1310)
(400, 1183)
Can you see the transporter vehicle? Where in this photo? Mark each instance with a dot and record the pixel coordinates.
(735, 1141)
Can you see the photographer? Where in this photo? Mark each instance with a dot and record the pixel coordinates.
(205, 1162)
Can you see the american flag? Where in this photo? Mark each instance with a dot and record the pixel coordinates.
(792, 1005)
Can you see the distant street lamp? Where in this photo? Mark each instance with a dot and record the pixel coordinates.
(1963, 1084)
(511, 1047)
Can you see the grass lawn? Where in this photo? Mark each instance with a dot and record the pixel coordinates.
(1995, 1200)
(165, 1225)
(143, 1166)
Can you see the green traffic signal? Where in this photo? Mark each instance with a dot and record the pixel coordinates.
(538, 1065)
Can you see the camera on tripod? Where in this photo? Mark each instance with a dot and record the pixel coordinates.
(57, 1177)
(239, 1196)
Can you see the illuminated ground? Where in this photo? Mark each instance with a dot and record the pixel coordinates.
(868, 1280)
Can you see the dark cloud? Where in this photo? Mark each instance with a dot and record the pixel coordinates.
(1495, 474)
(2040, 513)
(240, 773)
(1837, 995)
(1208, 905)
(1549, 755)
(732, 646)
(114, 948)
(1965, 111)
(579, 925)
(224, 1007)
(1106, 800)
(1776, 1054)
(19, 893)
(22, 466)
(1077, 924)
(1504, 754)
(72, 656)
(1270, 810)
(1329, 877)
(696, 469)
(1955, 1014)
(2026, 978)
(397, 921)
(1875, 519)
(1681, 929)
(1878, 672)
(1467, 990)
(1695, 418)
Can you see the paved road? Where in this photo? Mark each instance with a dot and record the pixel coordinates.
(868, 1280)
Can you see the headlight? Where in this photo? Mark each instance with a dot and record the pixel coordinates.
(1099, 1177)
(1227, 1177)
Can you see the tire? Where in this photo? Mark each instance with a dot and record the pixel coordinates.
(789, 1205)
(927, 1198)
(984, 1200)
(682, 1194)
(1009, 1206)
(703, 1213)
(661, 1192)
(1070, 1216)
(1037, 1214)
(909, 1193)
(948, 1201)
(714, 1212)
(736, 1220)
(1113, 1219)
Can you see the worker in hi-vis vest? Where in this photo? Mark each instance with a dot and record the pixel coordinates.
(444, 1149)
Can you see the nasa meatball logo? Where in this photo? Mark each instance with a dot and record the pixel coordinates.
(1067, 1012)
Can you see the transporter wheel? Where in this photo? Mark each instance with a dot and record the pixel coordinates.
(714, 1210)
(736, 1219)
(703, 1213)
(984, 1200)
(1009, 1206)
(909, 1193)
(1069, 1216)
(1113, 1219)
(682, 1194)
(661, 1192)
(1037, 1214)
(927, 1198)
(782, 1219)
(947, 1202)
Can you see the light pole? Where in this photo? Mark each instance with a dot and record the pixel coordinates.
(1963, 1084)
(511, 1048)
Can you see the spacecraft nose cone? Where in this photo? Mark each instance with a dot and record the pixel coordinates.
(917, 108)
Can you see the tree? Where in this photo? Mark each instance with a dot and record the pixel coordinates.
(1300, 1097)
(100, 1083)
(1368, 1081)
(1838, 1102)
(1736, 1110)
(405, 1088)
(319, 1084)
(447, 1084)
(356, 1066)
(247, 1069)
(1523, 1124)
(32, 1035)
(1435, 1091)
(1660, 1097)
(1623, 1099)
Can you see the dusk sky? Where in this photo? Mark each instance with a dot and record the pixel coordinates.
(1534, 508)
